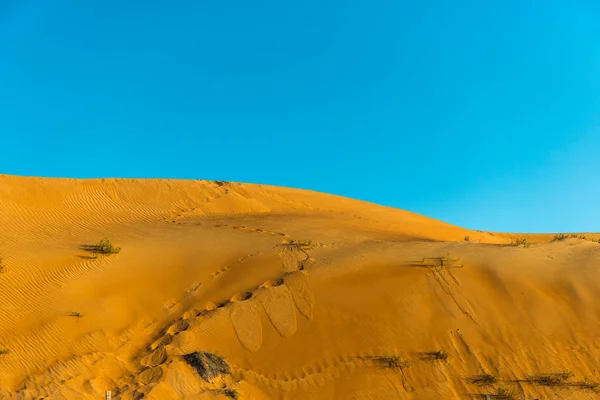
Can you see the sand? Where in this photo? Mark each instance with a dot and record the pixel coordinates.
(226, 290)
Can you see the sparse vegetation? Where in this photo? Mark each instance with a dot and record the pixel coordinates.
(483, 380)
(390, 362)
(560, 236)
(444, 261)
(521, 242)
(2, 266)
(3, 352)
(104, 247)
(301, 243)
(208, 365)
(550, 379)
(438, 355)
(467, 238)
(291, 246)
(587, 384)
(75, 314)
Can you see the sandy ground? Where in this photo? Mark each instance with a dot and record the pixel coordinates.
(381, 304)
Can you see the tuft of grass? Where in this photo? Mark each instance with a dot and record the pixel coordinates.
(438, 355)
(103, 247)
(75, 314)
(550, 379)
(587, 384)
(2, 266)
(521, 242)
(483, 380)
(560, 236)
(208, 365)
(390, 362)
(301, 243)
(444, 261)
(467, 239)
(3, 352)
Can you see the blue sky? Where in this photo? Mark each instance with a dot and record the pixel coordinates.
(482, 114)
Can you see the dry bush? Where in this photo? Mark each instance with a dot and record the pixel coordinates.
(438, 355)
(103, 247)
(521, 242)
(208, 365)
(483, 380)
(550, 379)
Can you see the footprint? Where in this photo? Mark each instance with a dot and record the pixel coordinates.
(163, 341)
(247, 325)
(272, 283)
(298, 284)
(155, 358)
(150, 375)
(178, 327)
(279, 306)
(241, 297)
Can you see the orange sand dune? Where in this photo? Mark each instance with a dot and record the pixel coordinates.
(217, 293)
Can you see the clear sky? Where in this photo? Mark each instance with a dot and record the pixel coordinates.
(482, 114)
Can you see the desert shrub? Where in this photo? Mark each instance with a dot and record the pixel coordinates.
(438, 355)
(3, 352)
(483, 380)
(444, 261)
(103, 247)
(560, 236)
(389, 362)
(301, 243)
(2, 266)
(75, 314)
(521, 242)
(550, 379)
(587, 384)
(208, 365)
(467, 239)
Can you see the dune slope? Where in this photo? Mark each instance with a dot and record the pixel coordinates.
(225, 290)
